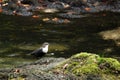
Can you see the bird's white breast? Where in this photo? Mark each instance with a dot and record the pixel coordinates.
(45, 49)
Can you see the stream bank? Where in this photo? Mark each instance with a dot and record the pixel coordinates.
(82, 66)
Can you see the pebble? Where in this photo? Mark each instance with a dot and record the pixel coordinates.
(52, 53)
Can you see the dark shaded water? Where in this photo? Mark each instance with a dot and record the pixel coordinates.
(21, 35)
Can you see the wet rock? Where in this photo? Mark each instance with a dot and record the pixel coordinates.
(58, 5)
(17, 9)
(50, 10)
(41, 70)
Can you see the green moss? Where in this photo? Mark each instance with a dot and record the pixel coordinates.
(71, 66)
(113, 62)
(109, 65)
(87, 63)
(83, 63)
(86, 69)
(18, 78)
(81, 55)
(93, 59)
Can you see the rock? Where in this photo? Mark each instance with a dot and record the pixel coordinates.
(50, 10)
(82, 66)
(15, 9)
(58, 5)
(91, 66)
(51, 6)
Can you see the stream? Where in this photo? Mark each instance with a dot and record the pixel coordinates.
(20, 35)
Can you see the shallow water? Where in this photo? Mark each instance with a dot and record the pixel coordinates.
(21, 35)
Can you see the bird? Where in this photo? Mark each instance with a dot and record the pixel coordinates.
(41, 51)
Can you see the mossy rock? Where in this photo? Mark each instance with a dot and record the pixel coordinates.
(86, 69)
(109, 65)
(91, 64)
(83, 63)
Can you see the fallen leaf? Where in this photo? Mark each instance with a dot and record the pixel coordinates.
(65, 66)
(55, 19)
(35, 16)
(66, 21)
(1, 10)
(1, 1)
(87, 9)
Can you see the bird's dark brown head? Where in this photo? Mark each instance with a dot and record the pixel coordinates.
(45, 44)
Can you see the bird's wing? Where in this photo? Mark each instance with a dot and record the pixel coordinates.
(36, 51)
